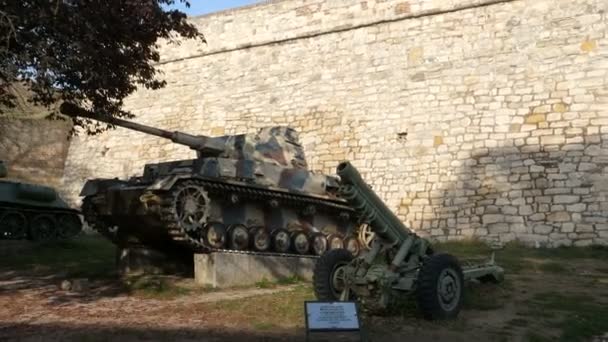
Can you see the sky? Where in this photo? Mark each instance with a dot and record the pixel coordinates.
(198, 7)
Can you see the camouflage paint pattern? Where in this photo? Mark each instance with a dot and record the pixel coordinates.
(254, 180)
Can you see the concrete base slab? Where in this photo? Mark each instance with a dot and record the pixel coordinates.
(141, 260)
(233, 269)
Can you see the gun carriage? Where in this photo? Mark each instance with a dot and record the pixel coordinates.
(399, 263)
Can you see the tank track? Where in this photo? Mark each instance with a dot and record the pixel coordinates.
(181, 237)
(36, 212)
(92, 220)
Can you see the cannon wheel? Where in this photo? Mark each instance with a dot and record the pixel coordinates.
(328, 276)
(440, 290)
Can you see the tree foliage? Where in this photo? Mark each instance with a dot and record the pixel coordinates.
(93, 53)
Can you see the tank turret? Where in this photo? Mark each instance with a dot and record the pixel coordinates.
(277, 144)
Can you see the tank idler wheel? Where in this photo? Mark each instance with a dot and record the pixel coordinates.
(214, 235)
(352, 245)
(319, 244)
(260, 239)
(440, 287)
(281, 241)
(300, 242)
(13, 225)
(335, 241)
(329, 274)
(69, 225)
(238, 237)
(43, 227)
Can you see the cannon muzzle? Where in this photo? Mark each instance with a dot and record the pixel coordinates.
(202, 144)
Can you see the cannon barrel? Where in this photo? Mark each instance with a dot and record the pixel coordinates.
(199, 143)
(375, 213)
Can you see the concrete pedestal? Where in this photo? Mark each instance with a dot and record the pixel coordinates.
(233, 269)
(141, 260)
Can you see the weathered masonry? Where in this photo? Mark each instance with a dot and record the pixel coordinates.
(483, 118)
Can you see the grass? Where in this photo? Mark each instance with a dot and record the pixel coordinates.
(268, 284)
(567, 316)
(486, 296)
(83, 256)
(553, 267)
(267, 311)
(515, 257)
(156, 287)
(582, 316)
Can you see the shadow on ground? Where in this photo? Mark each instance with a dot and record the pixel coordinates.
(65, 332)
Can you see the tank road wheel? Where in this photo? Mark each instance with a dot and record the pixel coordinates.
(335, 241)
(214, 235)
(329, 274)
(300, 242)
(281, 241)
(191, 205)
(352, 245)
(69, 225)
(260, 239)
(238, 237)
(319, 243)
(366, 236)
(43, 227)
(440, 289)
(13, 225)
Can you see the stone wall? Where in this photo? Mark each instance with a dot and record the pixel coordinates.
(469, 118)
(34, 149)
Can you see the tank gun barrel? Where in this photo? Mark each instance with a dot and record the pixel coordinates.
(199, 143)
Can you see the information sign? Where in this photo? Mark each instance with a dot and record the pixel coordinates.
(331, 316)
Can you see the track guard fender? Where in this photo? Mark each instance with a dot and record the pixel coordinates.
(95, 186)
(167, 183)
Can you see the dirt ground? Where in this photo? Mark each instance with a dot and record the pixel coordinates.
(532, 305)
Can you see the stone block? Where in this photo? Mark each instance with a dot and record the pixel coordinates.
(565, 199)
(492, 218)
(560, 216)
(234, 269)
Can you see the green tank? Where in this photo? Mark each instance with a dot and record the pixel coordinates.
(34, 212)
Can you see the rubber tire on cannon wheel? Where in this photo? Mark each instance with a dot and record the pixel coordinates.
(427, 291)
(323, 272)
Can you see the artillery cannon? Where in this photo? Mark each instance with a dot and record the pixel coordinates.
(398, 264)
(34, 212)
(245, 192)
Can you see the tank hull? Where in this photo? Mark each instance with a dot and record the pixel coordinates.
(35, 212)
(143, 214)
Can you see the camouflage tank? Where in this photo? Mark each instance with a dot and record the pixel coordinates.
(246, 192)
(34, 212)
